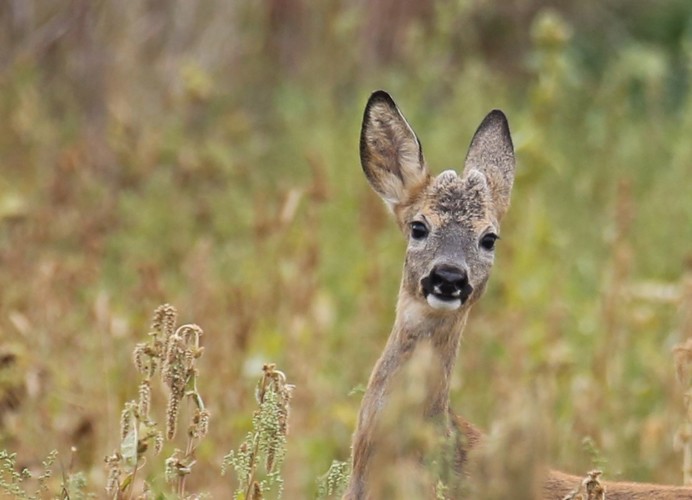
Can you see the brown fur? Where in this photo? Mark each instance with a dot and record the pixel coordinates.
(559, 484)
(458, 211)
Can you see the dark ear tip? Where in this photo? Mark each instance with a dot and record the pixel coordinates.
(380, 96)
(496, 119)
(496, 116)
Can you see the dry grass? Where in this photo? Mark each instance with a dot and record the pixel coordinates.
(205, 154)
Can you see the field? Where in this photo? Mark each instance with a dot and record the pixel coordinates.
(205, 154)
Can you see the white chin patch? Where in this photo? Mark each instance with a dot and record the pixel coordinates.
(445, 305)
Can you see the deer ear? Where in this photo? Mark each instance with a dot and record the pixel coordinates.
(491, 152)
(390, 153)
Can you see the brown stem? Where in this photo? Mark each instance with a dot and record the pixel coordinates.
(255, 446)
(131, 486)
(194, 395)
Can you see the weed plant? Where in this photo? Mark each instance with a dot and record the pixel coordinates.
(174, 351)
(265, 445)
(24, 484)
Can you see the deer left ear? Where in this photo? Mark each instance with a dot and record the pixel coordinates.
(390, 153)
(492, 153)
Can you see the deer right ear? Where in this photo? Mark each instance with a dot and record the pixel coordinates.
(390, 153)
(491, 152)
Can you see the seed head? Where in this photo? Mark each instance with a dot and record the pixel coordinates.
(200, 424)
(164, 320)
(158, 442)
(126, 419)
(138, 356)
(174, 369)
(172, 417)
(113, 465)
(144, 399)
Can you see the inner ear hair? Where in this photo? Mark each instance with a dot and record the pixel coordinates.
(391, 154)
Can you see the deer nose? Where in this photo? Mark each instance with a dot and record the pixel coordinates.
(449, 281)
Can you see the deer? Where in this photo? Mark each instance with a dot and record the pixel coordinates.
(452, 224)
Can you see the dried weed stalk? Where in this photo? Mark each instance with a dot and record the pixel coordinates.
(589, 489)
(266, 443)
(174, 352)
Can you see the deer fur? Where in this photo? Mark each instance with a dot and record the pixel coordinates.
(451, 222)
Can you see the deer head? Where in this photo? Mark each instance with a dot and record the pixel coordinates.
(452, 221)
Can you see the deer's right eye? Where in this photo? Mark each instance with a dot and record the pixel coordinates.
(488, 241)
(418, 230)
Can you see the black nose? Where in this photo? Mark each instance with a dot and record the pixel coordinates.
(449, 281)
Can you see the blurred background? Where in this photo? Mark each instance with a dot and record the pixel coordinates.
(205, 153)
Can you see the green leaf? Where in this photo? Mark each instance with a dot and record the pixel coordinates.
(128, 447)
(126, 482)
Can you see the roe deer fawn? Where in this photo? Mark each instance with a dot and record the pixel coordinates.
(452, 223)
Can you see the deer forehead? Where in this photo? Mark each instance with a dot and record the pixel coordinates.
(460, 200)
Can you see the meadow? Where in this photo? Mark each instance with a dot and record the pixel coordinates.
(205, 154)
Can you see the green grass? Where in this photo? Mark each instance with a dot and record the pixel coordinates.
(198, 166)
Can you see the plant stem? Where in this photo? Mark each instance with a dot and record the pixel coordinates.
(255, 445)
(131, 486)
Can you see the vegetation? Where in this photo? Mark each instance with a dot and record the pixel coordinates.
(205, 154)
(266, 441)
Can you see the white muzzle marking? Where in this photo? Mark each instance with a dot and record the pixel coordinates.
(445, 305)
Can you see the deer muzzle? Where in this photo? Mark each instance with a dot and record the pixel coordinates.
(447, 287)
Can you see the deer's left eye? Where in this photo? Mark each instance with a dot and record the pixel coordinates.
(418, 230)
(488, 241)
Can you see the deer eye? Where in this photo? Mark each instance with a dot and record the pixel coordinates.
(488, 241)
(418, 230)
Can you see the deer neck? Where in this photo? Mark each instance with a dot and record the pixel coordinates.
(416, 327)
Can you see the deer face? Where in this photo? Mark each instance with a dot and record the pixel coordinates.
(451, 221)
(451, 238)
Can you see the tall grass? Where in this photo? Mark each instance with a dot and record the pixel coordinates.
(205, 154)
